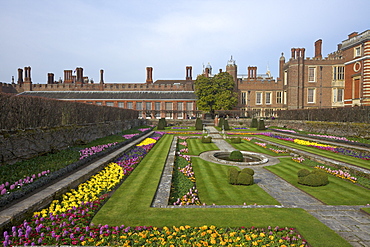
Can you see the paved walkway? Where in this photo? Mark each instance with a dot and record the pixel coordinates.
(348, 221)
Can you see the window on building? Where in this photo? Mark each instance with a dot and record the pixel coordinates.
(338, 73)
(311, 95)
(139, 106)
(98, 103)
(258, 98)
(338, 94)
(120, 104)
(148, 106)
(279, 97)
(358, 51)
(285, 77)
(268, 98)
(243, 98)
(109, 103)
(189, 106)
(89, 102)
(311, 74)
(157, 107)
(168, 105)
(129, 105)
(179, 106)
(285, 97)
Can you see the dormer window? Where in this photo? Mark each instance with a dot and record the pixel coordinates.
(357, 51)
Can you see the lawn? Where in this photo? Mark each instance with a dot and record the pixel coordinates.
(196, 146)
(252, 147)
(337, 192)
(214, 187)
(331, 155)
(130, 205)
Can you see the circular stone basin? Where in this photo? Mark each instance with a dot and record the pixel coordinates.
(250, 158)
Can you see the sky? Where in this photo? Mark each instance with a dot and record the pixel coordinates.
(123, 37)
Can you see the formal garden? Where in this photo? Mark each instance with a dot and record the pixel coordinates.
(114, 207)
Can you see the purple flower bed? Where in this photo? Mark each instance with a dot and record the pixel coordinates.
(93, 150)
(7, 188)
(129, 136)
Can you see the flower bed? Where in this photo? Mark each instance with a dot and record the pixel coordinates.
(338, 173)
(84, 153)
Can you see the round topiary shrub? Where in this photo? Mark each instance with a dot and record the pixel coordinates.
(206, 139)
(233, 175)
(236, 140)
(315, 178)
(303, 172)
(198, 124)
(248, 171)
(236, 156)
(245, 179)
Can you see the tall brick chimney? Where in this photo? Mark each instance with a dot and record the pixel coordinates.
(318, 46)
(79, 75)
(188, 75)
(20, 76)
(50, 78)
(149, 75)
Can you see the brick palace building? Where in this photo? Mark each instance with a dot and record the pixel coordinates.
(341, 79)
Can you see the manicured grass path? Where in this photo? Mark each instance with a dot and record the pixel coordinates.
(213, 187)
(337, 192)
(328, 154)
(252, 147)
(130, 205)
(196, 146)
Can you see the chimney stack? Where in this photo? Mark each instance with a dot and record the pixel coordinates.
(318, 46)
(149, 75)
(188, 75)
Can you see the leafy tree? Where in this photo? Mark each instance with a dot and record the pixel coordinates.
(215, 93)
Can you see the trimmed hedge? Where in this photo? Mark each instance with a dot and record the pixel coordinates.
(315, 178)
(236, 140)
(28, 112)
(236, 156)
(198, 124)
(254, 123)
(243, 177)
(161, 124)
(206, 139)
(57, 175)
(261, 125)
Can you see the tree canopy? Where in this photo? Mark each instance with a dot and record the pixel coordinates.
(215, 93)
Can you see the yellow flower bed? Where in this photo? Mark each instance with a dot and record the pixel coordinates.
(308, 143)
(147, 141)
(89, 191)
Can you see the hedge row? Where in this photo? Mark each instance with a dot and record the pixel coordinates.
(57, 175)
(24, 112)
(359, 114)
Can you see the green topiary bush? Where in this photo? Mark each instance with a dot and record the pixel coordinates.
(226, 125)
(161, 124)
(254, 123)
(236, 140)
(303, 173)
(248, 170)
(233, 175)
(315, 178)
(198, 124)
(206, 139)
(236, 156)
(221, 122)
(245, 179)
(261, 125)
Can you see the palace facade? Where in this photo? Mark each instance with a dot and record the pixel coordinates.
(340, 79)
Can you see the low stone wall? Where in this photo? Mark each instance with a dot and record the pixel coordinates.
(24, 144)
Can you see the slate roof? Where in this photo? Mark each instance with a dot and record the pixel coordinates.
(113, 95)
